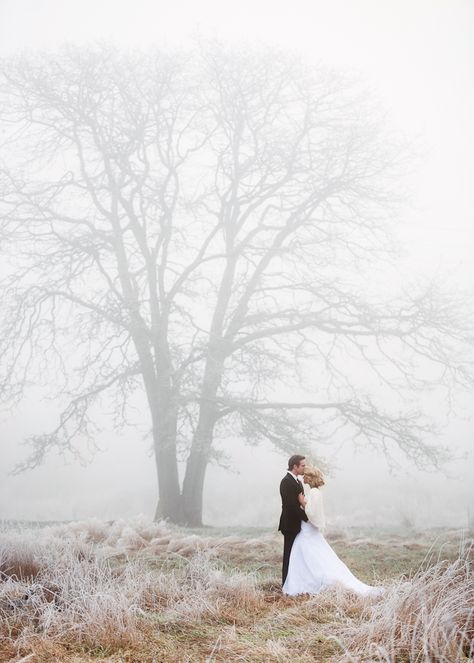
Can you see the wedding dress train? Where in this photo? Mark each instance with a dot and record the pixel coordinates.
(313, 563)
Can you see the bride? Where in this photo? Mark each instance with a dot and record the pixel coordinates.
(313, 563)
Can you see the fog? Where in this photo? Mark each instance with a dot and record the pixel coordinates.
(417, 59)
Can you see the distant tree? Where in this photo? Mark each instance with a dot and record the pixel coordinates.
(200, 226)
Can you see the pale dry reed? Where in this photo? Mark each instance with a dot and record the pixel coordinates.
(98, 587)
(426, 619)
(62, 585)
(74, 595)
(209, 591)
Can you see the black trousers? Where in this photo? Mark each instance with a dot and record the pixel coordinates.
(288, 540)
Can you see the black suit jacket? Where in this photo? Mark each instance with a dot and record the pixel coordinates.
(291, 512)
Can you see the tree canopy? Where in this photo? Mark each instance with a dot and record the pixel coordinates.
(200, 226)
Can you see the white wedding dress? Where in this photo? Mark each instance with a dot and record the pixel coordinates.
(313, 563)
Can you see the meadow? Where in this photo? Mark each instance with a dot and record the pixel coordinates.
(140, 592)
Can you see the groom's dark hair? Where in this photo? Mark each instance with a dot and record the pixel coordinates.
(295, 460)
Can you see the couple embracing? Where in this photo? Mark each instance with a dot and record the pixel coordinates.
(309, 562)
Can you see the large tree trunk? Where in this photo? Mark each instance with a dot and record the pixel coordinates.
(193, 484)
(169, 502)
(164, 440)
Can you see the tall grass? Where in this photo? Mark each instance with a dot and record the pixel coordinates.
(97, 588)
(61, 586)
(72, 594)
(426, 619)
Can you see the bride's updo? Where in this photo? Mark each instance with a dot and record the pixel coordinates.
(314, 476)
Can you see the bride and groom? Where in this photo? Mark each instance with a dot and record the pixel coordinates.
(309, 562)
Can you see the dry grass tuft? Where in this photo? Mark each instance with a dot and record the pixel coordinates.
(425, 619)
(17, 562)
(206, 591)
(76, 597)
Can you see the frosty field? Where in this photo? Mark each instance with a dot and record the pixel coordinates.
(142, 592)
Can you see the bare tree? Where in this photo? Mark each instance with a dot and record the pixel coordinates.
(199, 226)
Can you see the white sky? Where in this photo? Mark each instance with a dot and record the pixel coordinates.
(417, 55)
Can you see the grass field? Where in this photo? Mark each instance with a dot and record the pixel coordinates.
(141, 592)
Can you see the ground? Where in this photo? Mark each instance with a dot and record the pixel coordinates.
(214, 595)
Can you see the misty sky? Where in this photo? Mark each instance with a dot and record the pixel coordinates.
(417, 57)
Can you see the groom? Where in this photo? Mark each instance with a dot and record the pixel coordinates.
(291, 512)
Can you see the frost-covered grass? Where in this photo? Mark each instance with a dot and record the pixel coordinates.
(145, 592)
(429, 617)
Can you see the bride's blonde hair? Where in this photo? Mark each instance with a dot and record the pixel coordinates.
(314, 475)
